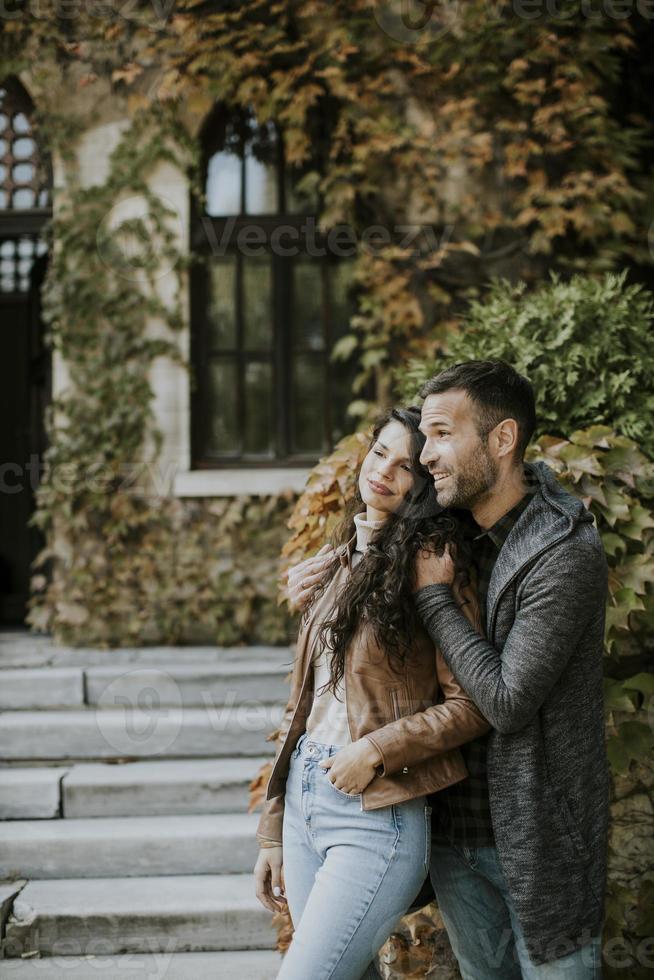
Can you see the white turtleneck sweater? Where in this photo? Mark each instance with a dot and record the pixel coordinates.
(327, 721)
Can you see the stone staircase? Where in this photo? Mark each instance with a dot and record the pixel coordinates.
(125, 847)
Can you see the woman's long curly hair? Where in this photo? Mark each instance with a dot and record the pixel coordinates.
(379, 589)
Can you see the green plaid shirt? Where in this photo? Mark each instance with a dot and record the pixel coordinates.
(461, 813)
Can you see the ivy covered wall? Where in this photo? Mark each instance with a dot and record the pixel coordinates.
(451, 150)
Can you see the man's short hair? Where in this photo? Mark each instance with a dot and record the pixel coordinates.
(497, 391)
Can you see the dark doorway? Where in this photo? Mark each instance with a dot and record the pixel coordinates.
(25, 363)
(25, 390)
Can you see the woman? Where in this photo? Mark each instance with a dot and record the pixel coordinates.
(363, 739)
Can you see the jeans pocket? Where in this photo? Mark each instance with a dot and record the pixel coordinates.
(348, 796)
(298, 746)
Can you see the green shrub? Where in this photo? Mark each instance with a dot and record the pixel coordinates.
(587, 345)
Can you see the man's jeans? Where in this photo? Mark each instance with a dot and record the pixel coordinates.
(482, 924)
(350, 874)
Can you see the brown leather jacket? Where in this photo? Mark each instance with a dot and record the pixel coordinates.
(398, 710)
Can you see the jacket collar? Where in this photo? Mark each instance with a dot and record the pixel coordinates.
(550, 516)
(345, 552)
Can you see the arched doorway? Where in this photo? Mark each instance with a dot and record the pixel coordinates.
(25, 363)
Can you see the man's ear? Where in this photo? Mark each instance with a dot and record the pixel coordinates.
(505, 436)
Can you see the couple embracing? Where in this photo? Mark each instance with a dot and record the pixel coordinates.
(446, 711)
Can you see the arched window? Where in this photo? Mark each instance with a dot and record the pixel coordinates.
(25, 181)
(269, 300)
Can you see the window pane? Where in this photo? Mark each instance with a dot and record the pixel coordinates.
(223, 435)
(22, 173)
(260, 187)
(23, 148)
(258, 303)
(261, 162)
(23, 198)
(222, 303)
(340, 278)
(308, 326)
(21, 123)
(307, 412)
(223, 188)
(259, 414)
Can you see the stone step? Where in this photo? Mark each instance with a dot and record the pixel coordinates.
(222, 843)
(30, 794)
(29, 650)
(52, 687)
(132, 789)
(130, 732)
(189, 684)
(158, 788)
(108, 916)
(233, 682)
(252, 964)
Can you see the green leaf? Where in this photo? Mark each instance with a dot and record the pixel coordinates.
(613, 543)
(344, 347)
(640, 682)
(637, 738)
(615, 697)
(618, 754)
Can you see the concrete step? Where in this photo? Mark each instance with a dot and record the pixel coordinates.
(246, 965)
(235, 682)
(248, 679)
(108, 916)
(133, 789)
(42, 688)
(130, 732)
(30, 794)
(158, 788)
(30, 650)
(222, 843)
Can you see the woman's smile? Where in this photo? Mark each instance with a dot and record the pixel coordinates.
(379, 488)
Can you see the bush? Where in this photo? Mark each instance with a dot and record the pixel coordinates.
(587, 345)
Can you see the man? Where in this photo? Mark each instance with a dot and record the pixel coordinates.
(519, 848)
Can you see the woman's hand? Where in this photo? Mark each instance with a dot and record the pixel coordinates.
(305, 576)
(269, 878)
(354, 766)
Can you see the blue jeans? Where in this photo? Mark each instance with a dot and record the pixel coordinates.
(483, 927)
(350, 874)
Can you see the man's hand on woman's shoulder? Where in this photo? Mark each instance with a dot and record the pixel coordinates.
(304, 577)
(433, 569)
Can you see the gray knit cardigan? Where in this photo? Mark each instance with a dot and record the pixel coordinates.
(538, 680)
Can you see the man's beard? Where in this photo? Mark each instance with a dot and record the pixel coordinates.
(471, 483)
